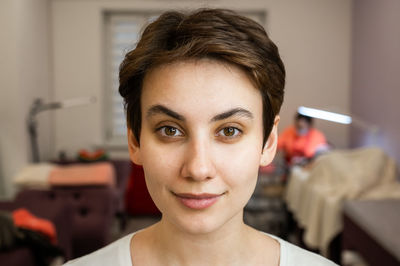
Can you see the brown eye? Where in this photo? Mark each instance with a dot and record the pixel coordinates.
(229, 131)
(169, 131)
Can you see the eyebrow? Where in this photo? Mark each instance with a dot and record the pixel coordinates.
(233, 112)
(161, 109)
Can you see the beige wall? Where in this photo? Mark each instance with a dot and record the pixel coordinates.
(24, 75)
(313, 36)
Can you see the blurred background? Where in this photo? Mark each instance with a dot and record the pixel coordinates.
(340, 55)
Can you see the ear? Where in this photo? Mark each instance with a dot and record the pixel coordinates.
(269, 149)
(134, 148)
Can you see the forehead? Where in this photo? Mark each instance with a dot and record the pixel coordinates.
(200, 85)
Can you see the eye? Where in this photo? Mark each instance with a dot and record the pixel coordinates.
(229, 132)
(168, 131)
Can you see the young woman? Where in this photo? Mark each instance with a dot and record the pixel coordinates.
(203, 93)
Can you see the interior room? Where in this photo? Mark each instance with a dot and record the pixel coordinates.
(61, 115)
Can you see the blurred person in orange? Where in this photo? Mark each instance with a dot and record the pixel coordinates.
(301, 142)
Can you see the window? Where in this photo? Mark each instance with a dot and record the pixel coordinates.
(122, 34)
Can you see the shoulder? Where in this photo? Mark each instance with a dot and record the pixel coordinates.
(116, 253)
(287, 134)
(294, 255)
(316, 133)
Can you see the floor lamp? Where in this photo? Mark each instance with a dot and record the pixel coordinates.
(37, 107)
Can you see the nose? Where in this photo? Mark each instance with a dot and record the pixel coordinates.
(198, 164)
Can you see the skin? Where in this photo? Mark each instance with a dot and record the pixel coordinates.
(201, 132)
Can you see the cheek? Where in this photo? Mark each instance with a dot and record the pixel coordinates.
(161, 166)
(240, 175)
(241, 166)
(158, 177)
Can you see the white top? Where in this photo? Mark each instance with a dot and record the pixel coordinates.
(118, 254)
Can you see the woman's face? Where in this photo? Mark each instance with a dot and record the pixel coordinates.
(201, 143)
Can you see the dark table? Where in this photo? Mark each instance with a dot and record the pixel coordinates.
(372, 228)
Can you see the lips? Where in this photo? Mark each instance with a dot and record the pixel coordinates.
(197, 201)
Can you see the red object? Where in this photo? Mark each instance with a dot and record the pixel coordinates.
(137, 197)
(24, 219)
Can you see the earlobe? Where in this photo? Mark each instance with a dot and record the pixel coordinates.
(269, 149)
(134, 148)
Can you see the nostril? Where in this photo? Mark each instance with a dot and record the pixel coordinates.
(200, 170)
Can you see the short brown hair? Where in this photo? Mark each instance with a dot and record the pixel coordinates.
(218, 34)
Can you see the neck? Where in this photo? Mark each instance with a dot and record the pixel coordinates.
(220, 247)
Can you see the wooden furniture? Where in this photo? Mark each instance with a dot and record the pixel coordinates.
(372, 228)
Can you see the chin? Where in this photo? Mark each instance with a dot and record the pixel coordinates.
(201, 223)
